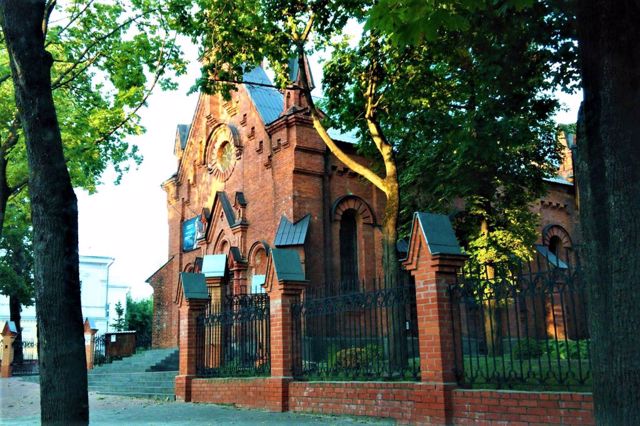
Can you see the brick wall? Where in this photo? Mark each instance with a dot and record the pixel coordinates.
(165, 311)
(525, 408)
(261, 393)
(408, 403)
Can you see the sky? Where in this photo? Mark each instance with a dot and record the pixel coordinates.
(129, 221)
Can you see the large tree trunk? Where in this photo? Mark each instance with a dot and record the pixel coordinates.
(14, 315)
(609, 184)
(63, 377)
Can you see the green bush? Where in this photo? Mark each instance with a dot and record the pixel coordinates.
(571, 349)
(527, 349)
(354, 358)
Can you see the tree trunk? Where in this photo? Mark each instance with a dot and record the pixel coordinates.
(14, 315)
(4, 189)
(63, 377)
(609, 185)
(389, 239)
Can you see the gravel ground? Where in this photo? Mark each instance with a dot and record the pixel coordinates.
(20, 405)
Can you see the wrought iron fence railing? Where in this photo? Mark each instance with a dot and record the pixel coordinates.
(233, 338)
(26, 363)
(364, 335)
(99, 350)
(522, 325)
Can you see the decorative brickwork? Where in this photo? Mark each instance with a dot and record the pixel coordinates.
(281, 167)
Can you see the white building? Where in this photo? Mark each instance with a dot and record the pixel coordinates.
(99, 298)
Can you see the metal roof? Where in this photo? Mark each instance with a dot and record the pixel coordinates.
(194, 286)
(214, 265)
(268, 100)
(240, 199)
(9, 327)
(402, 246)
(294, 71)
(349, 137)
(438, 233)
(183, 133)
(226, 207)
(558, 179)
(287, 265)
(551, 257)
(292, 234)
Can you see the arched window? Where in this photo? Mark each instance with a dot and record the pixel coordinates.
(557, 240)
(349, 250)
(555, 246)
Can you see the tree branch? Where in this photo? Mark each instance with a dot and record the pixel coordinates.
(72, 20)
(18, 187)
(95, 43)
(47, 14)
(144, 99)
(333, 147)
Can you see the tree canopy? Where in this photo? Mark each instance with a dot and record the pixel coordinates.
(469, 113)
(108, 57)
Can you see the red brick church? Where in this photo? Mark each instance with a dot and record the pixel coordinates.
(253, 175)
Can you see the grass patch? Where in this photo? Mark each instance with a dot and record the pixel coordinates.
(544, 372)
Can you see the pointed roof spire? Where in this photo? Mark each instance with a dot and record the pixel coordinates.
(294, 71)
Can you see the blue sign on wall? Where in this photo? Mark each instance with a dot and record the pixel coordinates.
(190, 234)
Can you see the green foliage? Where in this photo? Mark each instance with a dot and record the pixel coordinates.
(571, 349)
(16, 264)
(357, 357)
(119, 324)
(527, 349)
(240, 35)
(560, 349)
(107, 57)
(470, 115)
(139, 318)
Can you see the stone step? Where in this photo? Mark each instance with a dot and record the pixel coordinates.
(149, 374)
(148, 395)
(134, 388)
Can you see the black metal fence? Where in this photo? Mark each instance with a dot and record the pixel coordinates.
(28, 364)
(522, 325)
(369, 334)
(99, 350)
(233, 338)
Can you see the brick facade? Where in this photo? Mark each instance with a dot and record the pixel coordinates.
(241, 167)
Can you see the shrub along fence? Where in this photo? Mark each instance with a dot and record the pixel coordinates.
(364, 335)
(522, 325)
(233, 337)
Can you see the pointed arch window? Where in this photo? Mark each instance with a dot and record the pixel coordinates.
(349, 250)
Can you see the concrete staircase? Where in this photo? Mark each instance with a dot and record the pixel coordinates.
(150, 374)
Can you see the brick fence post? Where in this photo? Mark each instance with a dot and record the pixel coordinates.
(9, 333)
(90, 331)
(284, 282)
(193, 301)
(434, 259)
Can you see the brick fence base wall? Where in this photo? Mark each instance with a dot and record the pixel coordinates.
(415, 403)
(249, 393)
(511, 407)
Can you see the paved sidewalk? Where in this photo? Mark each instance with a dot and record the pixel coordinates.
(20, 405)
